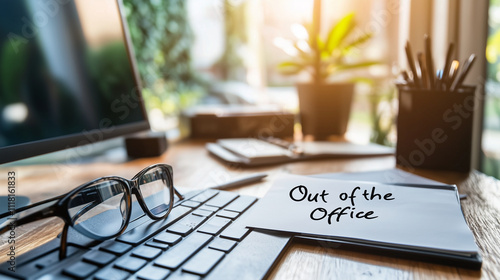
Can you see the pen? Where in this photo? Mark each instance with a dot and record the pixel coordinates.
(453, 73)
(241, 181)
(465, 71)
(447, 64)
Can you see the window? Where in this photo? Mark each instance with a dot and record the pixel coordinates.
(491, 123)
(235, 43)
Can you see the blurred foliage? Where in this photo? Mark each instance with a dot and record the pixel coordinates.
(493, 44)
(336, 52)
(491, 166)
(231, 65)
(162, 39)
(490, 163)
(493, 54)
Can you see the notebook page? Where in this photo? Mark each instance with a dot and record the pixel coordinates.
(427, 218)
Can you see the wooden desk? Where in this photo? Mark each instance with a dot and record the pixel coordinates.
(194, 168)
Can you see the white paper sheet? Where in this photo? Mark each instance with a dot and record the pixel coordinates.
(413, 217)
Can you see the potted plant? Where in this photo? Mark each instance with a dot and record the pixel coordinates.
(324, 105)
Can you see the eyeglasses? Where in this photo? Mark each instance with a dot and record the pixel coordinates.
(101, 209)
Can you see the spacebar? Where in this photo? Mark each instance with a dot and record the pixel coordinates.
(265, 250)
(145, 231)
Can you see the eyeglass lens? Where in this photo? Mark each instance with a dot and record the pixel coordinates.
(155, 188)
(100, 210)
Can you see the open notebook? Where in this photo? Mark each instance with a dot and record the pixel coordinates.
(253, 152)
(418, 218)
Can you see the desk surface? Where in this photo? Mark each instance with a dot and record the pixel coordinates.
(194, 168)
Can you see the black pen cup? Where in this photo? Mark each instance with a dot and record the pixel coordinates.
(434, 128)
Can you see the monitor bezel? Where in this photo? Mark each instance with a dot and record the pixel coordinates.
(85, 137)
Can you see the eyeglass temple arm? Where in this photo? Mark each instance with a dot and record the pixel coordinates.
(63, 248)
(39, 215)
(152, 177)
(21, 209)
(178, 194)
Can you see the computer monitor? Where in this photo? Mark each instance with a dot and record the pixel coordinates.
(67, 76)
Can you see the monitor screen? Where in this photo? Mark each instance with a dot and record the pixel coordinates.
(67, 76)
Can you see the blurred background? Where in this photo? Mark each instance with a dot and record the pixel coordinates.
(227, 52)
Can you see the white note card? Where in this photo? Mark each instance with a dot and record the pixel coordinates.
(417, 217)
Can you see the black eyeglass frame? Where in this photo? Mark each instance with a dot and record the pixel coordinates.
(61, 208)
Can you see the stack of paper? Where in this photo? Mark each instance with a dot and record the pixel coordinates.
(418, 218)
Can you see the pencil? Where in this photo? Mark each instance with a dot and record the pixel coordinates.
(423, 70)
(429, 61)
(252, 178)
(411, 63)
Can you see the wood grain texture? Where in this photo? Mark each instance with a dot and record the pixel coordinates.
(194, 168)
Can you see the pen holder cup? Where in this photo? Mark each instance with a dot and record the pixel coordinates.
(434, 128)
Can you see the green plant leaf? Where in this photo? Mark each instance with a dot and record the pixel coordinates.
(321, 44)
(290, 67)
(339, 32)
(358, 41)
(334, 68)
(342, 67)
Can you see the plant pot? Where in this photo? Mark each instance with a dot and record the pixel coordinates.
(325, 108)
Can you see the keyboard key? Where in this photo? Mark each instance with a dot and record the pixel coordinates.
(203, 212)
(204, 196)
(43, 261)
(153, 273)
(222, 244)
(118, 248)
(46, 277)
(158, 245)
(186, 225)
(180, 229)
(180, 275)
(111, 273)
(98, 258)
(190, 203)
(222, 199)
(130, 264)
(168, 238)
(145, 231)
(203, 262)
(228, 214)
(208, 208)
(80, 270)
(235, 233)
(146, 252)
(214, 226)
(174, 257)
(241, 203)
